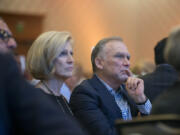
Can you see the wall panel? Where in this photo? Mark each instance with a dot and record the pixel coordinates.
(141, 23)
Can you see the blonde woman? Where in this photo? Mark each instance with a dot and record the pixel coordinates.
(50, 60)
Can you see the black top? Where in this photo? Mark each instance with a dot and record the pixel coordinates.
(25, 110)
(61, 103)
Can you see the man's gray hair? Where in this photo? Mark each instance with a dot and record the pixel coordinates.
(99, 47)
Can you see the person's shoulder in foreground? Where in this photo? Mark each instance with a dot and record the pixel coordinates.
(28, 110)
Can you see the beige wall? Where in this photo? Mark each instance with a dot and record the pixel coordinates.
(141, 23)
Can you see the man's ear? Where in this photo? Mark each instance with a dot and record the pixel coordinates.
(99, 62)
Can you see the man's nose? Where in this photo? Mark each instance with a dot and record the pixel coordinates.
(11, 44)
(126, 62)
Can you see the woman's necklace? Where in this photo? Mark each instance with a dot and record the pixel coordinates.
(65, 101)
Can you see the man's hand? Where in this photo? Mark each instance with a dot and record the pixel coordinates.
(135, 88)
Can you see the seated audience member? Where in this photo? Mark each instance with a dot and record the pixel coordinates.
(163, 77)
(111, 93)
(25, 110)
(50, 60)
(167, 103)
(7, 42)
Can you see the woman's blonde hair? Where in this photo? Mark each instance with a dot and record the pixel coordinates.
(44, 50)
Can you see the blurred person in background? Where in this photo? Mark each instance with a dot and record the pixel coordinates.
(164, 75)
(143, 68)
(168, 102)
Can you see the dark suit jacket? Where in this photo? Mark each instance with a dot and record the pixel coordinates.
(168, 102)
(96, 108)
(25, 110)
(158, 81)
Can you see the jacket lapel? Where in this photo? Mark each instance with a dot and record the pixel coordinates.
(106, 98)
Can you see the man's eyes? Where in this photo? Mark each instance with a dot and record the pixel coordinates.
(122, 56)
(4, 35)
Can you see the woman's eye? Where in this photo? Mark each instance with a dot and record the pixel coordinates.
(119, 56)
(128, 57)
(63, 53)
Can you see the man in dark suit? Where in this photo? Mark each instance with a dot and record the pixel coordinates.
(25, 110)
(111, 93)
(163, 77)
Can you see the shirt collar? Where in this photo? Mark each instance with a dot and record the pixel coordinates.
(109, 88)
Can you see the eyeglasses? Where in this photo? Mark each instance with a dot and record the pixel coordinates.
(4, 35)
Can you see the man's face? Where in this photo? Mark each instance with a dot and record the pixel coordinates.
(115, 61)
(7, 42)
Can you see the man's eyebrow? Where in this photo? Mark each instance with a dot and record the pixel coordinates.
(122, 53)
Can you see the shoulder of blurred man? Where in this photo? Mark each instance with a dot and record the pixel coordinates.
(26, 103)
